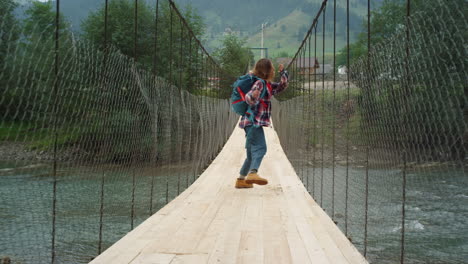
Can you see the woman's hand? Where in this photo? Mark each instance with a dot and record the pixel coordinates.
(280, 67)
(256, 94)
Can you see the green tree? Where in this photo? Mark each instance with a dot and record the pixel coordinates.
(356, 51)
(120, 28)
(234, 56)
(32, 56)
(283, 54)
(40, 22)
(39, 32)
(9, 31)
(415, 88)
(9, 35)
(385, 22)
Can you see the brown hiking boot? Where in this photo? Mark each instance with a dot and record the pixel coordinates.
(240, 183)
(254, 178)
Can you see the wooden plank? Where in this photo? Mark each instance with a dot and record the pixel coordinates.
(227, 242)
(297, 247)
(190, 259)
(226, 248)
(208, 240)
(275, 241)
(344, 245)
(250, 247)
(122, 252)
(154, 259)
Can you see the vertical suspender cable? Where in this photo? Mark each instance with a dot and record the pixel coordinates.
(323, 107)
(403, 212)
(403, 207)
(154, 77)
(135, 60)
(308, 113)
(189, 74)
(348, 71)
(303, 69)
(101, 209)
(55, 124)
(304, 160)
(181, 54)
(315, 110)
(366, 202)
(170, 83)
(367, 147)
(181, 103)
(189, 108)
(156, 24)
(333, 111)
(170, 43)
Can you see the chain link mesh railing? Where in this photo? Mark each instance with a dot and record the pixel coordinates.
(383, 148)
(102, 128)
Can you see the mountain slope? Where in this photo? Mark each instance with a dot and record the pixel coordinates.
(286, 34)
(288, 20)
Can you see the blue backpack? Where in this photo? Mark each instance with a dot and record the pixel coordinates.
(239, 89)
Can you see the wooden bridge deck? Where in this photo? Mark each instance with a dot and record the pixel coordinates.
(212, 222)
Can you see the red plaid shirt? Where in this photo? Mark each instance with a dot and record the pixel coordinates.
(262, 107)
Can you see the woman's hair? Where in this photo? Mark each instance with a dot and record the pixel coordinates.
(264, 69)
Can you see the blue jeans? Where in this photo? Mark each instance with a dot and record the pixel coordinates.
(256, 148)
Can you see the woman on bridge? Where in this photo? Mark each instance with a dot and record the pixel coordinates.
(261, 108)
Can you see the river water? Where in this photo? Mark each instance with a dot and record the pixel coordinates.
(436, 215)
(436, 221)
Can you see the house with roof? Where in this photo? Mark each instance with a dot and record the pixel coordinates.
(283, 60)
(342, 70)
(307, 65)
(324, 69)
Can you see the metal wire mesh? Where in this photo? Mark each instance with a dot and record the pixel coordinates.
(383, 149)
(95, 137)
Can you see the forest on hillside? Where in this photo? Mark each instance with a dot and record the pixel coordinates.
(52, 85)
(242, 16)
(246, 15)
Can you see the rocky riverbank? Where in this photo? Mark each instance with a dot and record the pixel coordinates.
(19, 151)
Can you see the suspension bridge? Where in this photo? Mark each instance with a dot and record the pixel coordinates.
(119, 146)
(212, 222)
